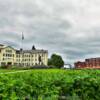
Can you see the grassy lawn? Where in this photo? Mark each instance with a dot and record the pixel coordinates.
(6, 70)
(50, 84)
(10, 70)
(66, 71)
(31, 70)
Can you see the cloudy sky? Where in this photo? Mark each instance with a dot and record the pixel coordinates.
(70, 28)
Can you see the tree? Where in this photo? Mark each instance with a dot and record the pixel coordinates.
(56, 61)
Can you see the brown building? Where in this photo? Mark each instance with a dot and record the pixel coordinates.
(88, 63)
(79, 64)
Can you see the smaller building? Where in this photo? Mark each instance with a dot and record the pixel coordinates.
(88, 63)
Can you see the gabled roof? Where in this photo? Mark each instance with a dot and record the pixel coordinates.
(10, 47)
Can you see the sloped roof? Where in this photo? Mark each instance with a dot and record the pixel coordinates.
(32, 51)
(1, 45)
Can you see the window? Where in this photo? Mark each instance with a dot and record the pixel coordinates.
(9, 51)
(17, 55)
(9, 55)
(3, 54)
(6, 55)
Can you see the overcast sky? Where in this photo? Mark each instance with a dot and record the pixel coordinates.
(70, 28)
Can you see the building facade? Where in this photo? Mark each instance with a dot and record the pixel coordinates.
(10, 56)
(88, 63)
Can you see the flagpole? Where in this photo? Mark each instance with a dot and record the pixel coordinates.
(22, 48)
(22, 39)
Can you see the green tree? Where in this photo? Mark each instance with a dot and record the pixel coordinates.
(56, 61)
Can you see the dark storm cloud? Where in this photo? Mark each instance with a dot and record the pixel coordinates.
(67, 27)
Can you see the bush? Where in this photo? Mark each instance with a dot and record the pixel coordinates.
(5, 67)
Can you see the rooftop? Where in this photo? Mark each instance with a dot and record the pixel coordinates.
(31, 51)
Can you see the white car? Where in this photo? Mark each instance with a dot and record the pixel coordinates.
(67, 66)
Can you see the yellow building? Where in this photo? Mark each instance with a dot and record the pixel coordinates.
(10, 56)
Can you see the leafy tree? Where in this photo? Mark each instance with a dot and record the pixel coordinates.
(56, 61)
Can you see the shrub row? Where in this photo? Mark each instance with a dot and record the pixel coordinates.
(51, 85)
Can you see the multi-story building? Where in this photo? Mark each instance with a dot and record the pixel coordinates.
(11, 56)
(80, 64)
(88, 63)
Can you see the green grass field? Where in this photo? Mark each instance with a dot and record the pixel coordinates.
(50, 84)
(9, 70)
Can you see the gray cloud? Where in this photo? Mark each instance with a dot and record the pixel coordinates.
(67, 27)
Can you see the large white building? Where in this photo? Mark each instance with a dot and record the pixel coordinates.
(12, 57)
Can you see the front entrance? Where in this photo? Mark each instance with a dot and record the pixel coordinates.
(9, 63)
